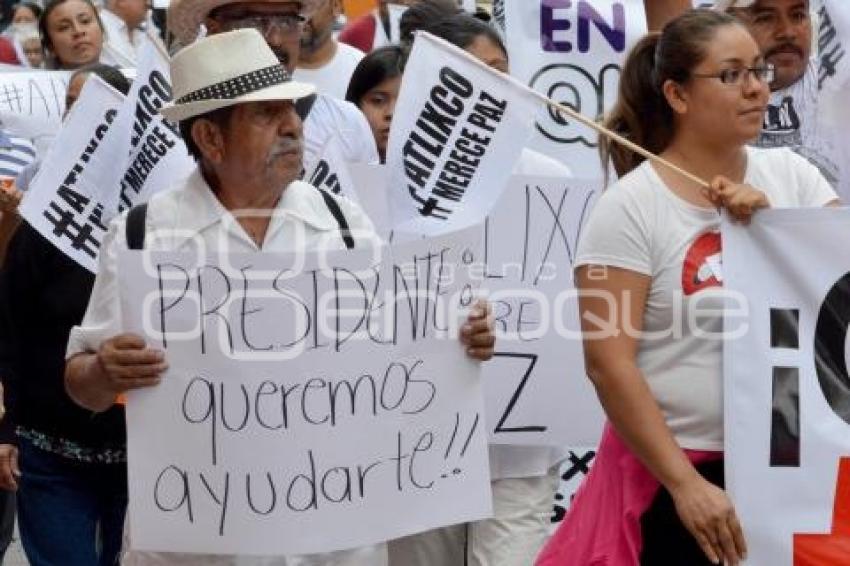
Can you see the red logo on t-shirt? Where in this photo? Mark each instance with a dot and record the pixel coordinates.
(702, 262)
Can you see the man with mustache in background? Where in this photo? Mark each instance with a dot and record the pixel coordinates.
(783, 30)
(324, 61)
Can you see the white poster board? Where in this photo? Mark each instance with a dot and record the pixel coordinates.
(32, 103)
(571, 51)
(458, 129)
(61, 202)
(313, 402)
(536, 389)
(787, 389)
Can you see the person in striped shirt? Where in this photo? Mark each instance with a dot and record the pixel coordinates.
(15, 154)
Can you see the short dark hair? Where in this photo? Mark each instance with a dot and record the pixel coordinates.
(31, 6)
(220, 117)
(110, 75)
(381, 64)
(421, 14)
(461, 30)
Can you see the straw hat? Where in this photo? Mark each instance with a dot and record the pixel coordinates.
(186, 16)
(227, 69)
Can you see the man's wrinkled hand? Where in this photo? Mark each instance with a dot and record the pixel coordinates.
(125, 363)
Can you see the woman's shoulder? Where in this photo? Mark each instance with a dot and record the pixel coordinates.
(778, 166)
(636, 187)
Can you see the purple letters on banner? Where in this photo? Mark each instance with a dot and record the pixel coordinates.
(551, 23)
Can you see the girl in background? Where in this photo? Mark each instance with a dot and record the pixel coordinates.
(71, 33)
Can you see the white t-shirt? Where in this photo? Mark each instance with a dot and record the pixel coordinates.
(640, 225)
(791, 120)
(333, 78)
(330, 116)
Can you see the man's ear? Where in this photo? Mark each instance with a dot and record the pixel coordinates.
(676, 96)
(213, 26)
(209, 137)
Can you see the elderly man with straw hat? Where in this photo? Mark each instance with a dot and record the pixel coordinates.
(281, 23)
(235, 105)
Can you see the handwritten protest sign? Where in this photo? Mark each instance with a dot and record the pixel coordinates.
(572, 52)
(458, 128)
(61, 202)
(312, 402)
(786, 385)
(34, 94)
(536, 388)
(32, 103)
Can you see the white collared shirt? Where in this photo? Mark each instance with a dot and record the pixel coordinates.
(333, 77)
(118, 48)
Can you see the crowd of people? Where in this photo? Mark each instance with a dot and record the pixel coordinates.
(67, 35)
(705, 90)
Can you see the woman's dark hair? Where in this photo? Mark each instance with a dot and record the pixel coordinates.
(110, 75)
(461, 30)
(31, 6)
(376, 67)
(642, 113)
(423, 13)
(51, 5)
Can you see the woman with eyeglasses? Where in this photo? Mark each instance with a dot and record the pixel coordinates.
(696, 95)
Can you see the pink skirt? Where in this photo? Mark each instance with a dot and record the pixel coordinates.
(602, 527)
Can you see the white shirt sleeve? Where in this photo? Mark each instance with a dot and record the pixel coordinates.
(617, 233)
(103, 314)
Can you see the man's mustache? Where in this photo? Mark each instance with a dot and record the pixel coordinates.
(288, 145)
(784, 48)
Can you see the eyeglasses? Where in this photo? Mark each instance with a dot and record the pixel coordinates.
(735, 77)
(265, 23)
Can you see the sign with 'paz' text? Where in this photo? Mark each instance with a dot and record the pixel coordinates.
(459, 127)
